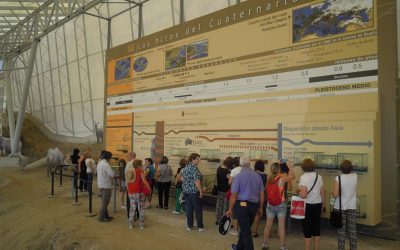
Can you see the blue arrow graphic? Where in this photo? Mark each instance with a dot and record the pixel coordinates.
(369, 143)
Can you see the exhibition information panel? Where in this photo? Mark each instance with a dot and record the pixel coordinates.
(287, 79)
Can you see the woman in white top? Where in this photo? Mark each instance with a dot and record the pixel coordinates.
(91, 168)
(311, 188)
(348, 181)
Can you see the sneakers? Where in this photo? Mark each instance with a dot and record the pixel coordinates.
(265, 246)
(283, 248)
(189, 228)
(175, 212)
(141, 227)
(234, 232)
(130, 226)
(201, 229)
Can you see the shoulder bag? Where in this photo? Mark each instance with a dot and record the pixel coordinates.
(215, 187)
(336, 215)
(298, 204)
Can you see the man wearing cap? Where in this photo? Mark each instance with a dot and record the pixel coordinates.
(247, 200)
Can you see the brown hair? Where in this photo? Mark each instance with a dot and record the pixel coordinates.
(137, 163)
(274, 169)
(346, 166)
(308, 165)
(229, 162)
(182, 163)
(193, 156)
(164, 160)
(87, 153)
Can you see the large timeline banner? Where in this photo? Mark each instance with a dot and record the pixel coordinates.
(267, 79)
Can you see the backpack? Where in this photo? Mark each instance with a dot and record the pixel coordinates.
(273, 195)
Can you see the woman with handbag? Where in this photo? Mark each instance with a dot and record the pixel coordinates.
(311, 188)
(178, 186)
(164, 174)
(345, 190)
(222, 186)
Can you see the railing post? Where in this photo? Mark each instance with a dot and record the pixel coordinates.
(76, 203)
(115, 194)
(61, 175)
(90, 181)
(52, 186)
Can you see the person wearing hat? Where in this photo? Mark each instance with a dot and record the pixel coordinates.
(247, 200)
(105, 175)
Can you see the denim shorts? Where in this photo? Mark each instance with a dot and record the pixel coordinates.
(279, 210)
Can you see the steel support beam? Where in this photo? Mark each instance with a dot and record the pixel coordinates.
(17, 7)
(21, 113)
(109, 33)
(182, 11)
(46, 18)
(26, 1)
(10, 104)
(140, 28)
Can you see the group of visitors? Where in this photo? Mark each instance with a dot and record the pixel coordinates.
(252, 191)
(243, 194)
(85, 168)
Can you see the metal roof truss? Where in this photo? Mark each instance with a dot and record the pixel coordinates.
(47, 17)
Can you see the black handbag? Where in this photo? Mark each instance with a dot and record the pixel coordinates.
(336, 215)
(215, 187)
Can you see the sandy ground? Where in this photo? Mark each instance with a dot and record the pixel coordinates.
(31, 220)
(31, 135)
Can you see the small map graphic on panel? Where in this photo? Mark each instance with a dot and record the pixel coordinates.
(140, 64)
(197, 50)
(331, 17)
(122, 69)
(175, 58)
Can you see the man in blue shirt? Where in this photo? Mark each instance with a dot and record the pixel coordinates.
(193, 192)
(247, 199)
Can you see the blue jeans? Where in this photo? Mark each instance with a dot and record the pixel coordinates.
(90, 182)
(279, 210)
(246, 212)
(194, 204)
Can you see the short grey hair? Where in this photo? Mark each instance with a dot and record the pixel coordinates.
(244, 162)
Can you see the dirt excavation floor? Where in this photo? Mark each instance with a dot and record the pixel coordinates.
(31, 220)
